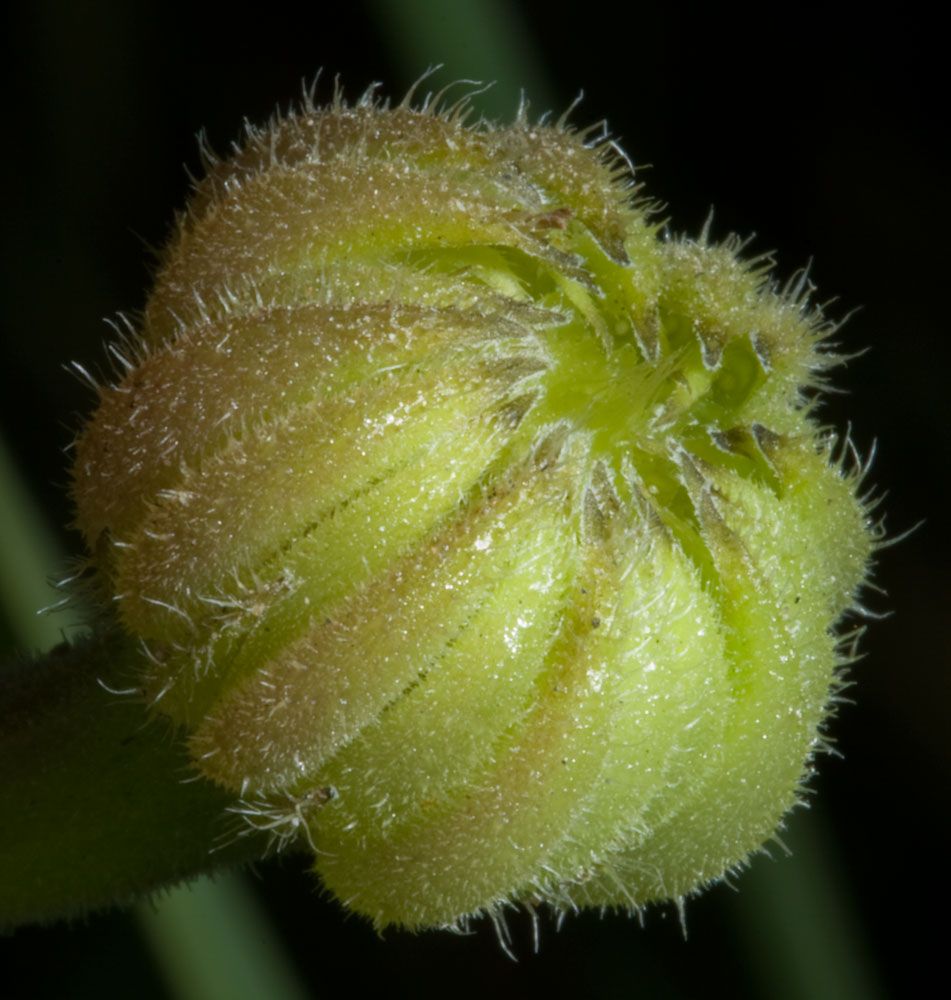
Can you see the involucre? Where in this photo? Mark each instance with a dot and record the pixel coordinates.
(479, 533)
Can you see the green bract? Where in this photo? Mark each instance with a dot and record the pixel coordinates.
(478, 534)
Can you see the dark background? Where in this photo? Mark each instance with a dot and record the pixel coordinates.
(823, 135)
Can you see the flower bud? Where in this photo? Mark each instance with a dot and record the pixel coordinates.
(476, 532)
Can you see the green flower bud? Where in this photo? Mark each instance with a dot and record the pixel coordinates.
(477, 533)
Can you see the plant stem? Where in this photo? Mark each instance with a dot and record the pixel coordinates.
(95, 798)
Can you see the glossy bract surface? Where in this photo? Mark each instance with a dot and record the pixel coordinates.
(478, 535)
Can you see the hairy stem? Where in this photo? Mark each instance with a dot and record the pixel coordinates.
(95, 799)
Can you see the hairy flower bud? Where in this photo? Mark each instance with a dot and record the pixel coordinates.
(476, 533)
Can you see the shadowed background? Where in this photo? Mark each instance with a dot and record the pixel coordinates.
(825, 137)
